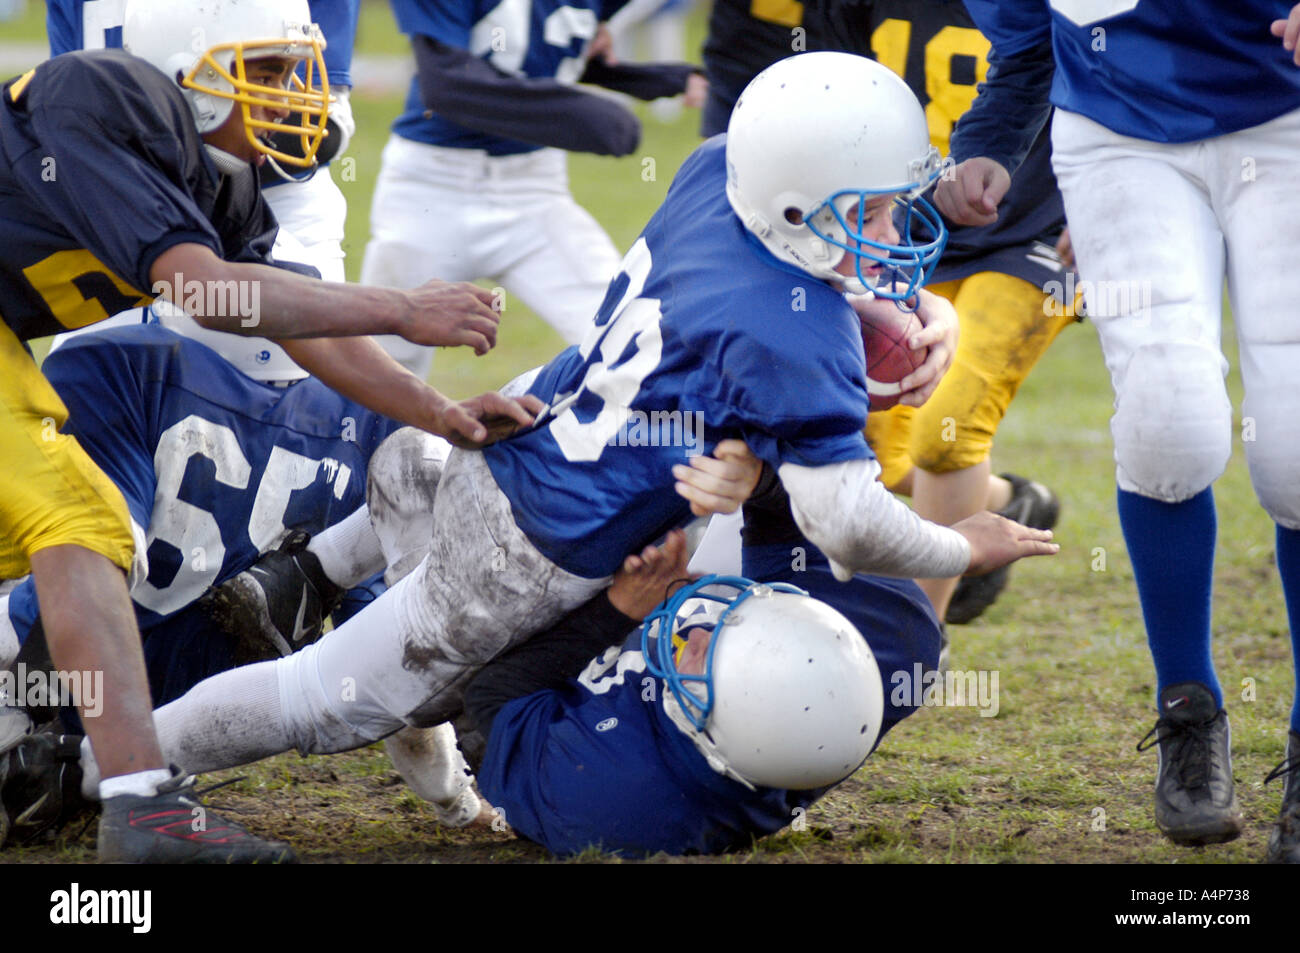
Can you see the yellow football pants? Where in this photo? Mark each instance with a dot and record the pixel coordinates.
(51, 492)
(1004, 330)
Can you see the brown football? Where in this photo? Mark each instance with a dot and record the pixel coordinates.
(885, 333)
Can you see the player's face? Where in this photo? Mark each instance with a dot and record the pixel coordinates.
(273, 71)
(694, 654)
(877, 225)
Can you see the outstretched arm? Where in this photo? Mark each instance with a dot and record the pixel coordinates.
(861, 527)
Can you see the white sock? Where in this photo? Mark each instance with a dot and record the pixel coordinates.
(224, 721)
(349, 550)
(227, 720)
(14, 723)
(140, 783)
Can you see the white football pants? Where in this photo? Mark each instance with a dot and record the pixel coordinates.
(403, 660)
(1156, 229)
(462, 215)
(311, 216)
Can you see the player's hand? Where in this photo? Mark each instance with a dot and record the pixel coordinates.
(602, 46)
(972, 194)
(720, 483)
(940, 336)
(995, 541)
(1065, 248)
(475, 423)
(697, 91)
(1289, 31)
(341, 122)
(451, 314)
(642, 582)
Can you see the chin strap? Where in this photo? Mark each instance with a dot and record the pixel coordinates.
(290, 177)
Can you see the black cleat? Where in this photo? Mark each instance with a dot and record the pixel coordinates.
(277, 605)
(1032, 505)
(1284, 841)
(1195, 800)
(40, 787)
(173, 827)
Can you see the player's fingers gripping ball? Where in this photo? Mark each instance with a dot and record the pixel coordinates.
(885, 333)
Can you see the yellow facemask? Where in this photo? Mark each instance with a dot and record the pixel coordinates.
(308, 97)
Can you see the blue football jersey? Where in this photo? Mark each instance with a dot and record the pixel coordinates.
(702, 336)
(84, 24)
(1161, 70)
(601, 764)
(213, 465)
(538, 39)
(97, 24)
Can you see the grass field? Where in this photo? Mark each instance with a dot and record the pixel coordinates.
(1053, 778)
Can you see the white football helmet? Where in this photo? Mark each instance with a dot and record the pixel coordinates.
(205, 44)
(790, 696)
(817, 134)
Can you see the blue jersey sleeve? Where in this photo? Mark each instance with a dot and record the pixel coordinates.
(337, 20)
(1011, 109)
(1012, 26)
(63, 25)
(448, 21)
(805, 405)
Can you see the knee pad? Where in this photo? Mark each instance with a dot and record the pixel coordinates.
(402, 484)
(1173, 421)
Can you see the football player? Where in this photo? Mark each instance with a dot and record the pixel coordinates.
(1175, 149)
(310, 211)
(665, 742)
(85, 136)
(307, 204)
(490, 112)
(938, 453)
(202, 426)
(727, 320)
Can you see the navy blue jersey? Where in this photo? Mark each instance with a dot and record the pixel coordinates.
(535, 39)
(97, 24)
(101, 171)
(703, 335)
(600, 763)
(1160, 70)
(745, 37)
(936, 49)
(213, 465)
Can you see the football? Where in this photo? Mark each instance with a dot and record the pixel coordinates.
(885, 333)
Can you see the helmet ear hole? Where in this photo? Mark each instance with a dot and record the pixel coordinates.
(794, 216)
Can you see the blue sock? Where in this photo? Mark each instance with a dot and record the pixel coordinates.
(1171, 546)
(1288, 565)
